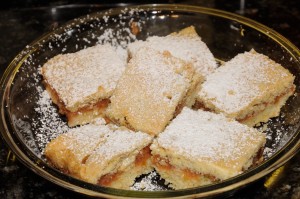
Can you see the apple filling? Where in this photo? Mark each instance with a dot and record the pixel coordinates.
(140, 161)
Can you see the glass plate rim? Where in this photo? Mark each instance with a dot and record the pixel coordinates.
(278, 159)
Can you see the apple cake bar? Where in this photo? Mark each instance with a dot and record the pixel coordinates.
(250, 88)
(81, 83)
(154, 87)
(200, 147)
(102, 154)
(69, 151)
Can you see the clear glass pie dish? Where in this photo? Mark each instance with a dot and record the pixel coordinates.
(27, 121)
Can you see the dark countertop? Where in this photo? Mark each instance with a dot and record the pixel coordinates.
(23, 21)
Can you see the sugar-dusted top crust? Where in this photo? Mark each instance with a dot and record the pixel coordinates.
(84, 77)
(115, 154)
(84, 139)
(68, 150)
(246, 80)
(150, 89)
(186, 45)
(208, 143)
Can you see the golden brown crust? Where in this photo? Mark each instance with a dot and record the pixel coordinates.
(185, 44)
(78, 82)
(250, 88)
(69, 151)
(83, 115)
(123, 153)
(184, 178)
(153, 85)
(204, 146)
(102, 154)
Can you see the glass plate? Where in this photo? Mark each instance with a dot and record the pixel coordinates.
(29, 120)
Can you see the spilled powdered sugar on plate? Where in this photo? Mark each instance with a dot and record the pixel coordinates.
(50, 124)
(150, 182)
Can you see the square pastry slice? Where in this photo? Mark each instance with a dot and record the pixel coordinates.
(102, 154)
(120, 160)
(152, 90)
(81, 83)
(185, 44)
(250, 88)
(69, 151)
(200, 147)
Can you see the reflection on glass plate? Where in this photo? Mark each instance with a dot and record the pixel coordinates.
(30, 120)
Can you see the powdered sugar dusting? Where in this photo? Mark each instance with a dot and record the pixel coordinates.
(187, 47)
(277, 135)
(152, 80)
(116, 38)
(83, 140)
(49, 123)
(85, 76)
(119, 143)
(148, 183)
(209, 136)
(126, 31)
(243, 79)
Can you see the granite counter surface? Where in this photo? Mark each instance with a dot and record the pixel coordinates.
(23, 21)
